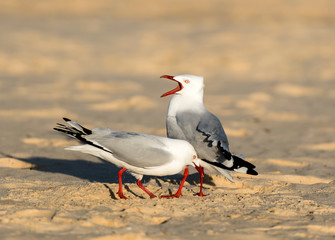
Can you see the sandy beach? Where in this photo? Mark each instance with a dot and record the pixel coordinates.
(269, 71)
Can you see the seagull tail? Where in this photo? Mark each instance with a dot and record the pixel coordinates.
(79, 132)
(74, 129)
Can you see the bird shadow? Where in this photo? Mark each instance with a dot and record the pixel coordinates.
(100, 171)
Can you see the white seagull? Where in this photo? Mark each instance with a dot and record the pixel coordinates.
(140, 154)
(189, 120)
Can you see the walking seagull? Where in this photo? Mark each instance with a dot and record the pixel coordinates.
(140, 154)
(189, 120)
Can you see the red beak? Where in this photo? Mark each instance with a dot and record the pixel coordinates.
(180, 86)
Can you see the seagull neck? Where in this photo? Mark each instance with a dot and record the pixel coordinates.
(181, 103)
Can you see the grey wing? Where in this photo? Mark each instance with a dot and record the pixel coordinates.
(188, 122)
(136, 149)
(202, 127)
(211, 126)
(204, 131)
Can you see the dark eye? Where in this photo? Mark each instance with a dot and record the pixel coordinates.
(187, 81)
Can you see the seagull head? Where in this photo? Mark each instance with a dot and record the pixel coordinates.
(188, 85)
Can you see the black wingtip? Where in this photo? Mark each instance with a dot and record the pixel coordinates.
(227, 155)
(252, 172)
(66, 119)
(245, 163)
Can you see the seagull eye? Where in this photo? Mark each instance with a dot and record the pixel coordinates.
(187, 81)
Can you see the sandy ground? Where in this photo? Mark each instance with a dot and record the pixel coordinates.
(269, 70)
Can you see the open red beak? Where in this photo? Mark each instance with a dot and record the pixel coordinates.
(180, 86)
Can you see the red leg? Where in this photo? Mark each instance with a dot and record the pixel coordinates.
(139, 183)
(202, 174)
(120, 193)
(178, 193)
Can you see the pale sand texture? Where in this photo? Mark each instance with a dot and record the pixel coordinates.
(270, 78)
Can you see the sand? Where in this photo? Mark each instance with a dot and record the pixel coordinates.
(269, 70)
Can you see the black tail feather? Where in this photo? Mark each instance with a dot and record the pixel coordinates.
(83, 129)
(67, 132)
(73, 131)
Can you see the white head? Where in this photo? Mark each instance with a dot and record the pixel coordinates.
(187, 152)
(188, 85)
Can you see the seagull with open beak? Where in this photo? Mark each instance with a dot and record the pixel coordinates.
(189, 120)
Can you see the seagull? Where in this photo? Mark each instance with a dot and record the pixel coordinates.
(189, 120)
(140, 154)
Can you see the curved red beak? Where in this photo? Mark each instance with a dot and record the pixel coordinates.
(180, 86)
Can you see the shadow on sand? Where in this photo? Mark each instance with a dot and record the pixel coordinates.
(103, 171)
